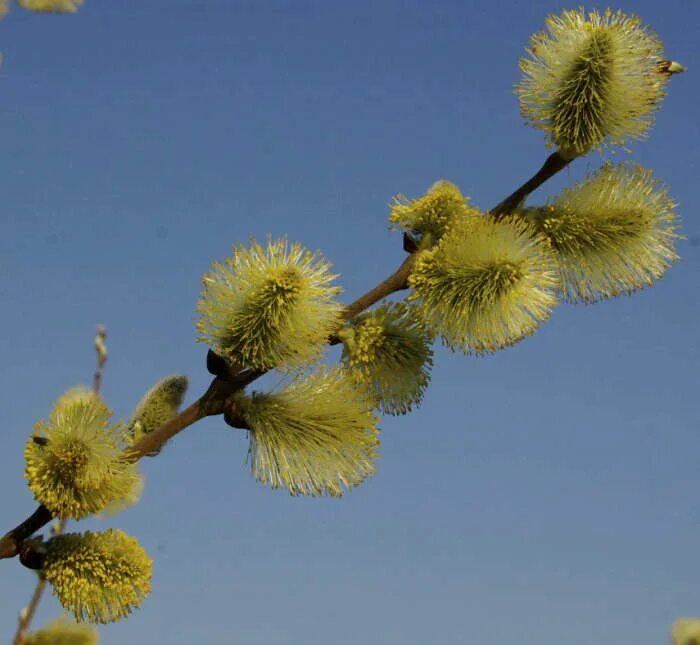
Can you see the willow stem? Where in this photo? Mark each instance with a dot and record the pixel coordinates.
(26, 616)
(552, 165)
(395, 282)
(232, 379)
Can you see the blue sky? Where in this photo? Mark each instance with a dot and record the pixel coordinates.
(545, 494)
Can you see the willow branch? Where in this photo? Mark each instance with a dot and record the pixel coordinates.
(211, 403)
(26, 615)
(231, 378)
(9, 543)
(552, 165)
(399, 279)
(395, 282)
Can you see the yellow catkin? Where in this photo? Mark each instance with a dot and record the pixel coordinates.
(317, 436)
(74, 463)
(99, 577)
(686, 631)
(51, 6)
(613, 233)
(591, 79)
(430, 216)
(269, 307)
(488, 284)
(79, 393)
(131, 497)
(63, 631)
(388, 350)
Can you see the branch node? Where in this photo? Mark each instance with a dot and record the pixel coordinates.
(409, 243)
(233, 415)
(216, 364)
(32, 553)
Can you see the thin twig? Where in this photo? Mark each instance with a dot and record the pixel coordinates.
(552, 165)
(26, 616)
(101, 349)
(395, 282)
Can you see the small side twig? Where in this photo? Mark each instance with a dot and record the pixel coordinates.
(101, 349)
(28, 612)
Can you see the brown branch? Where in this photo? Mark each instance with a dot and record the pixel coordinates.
(230, 378)
(27, 614)
(211, 403)
(553, 164)
(29, 559)
(32, 554)
(217, 365)
(101, 350)
(234, 416)
(395, 282)
(9, 543)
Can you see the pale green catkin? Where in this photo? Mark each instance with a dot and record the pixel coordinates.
(158, 406)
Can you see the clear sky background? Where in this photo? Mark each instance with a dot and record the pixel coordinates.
(547, 494)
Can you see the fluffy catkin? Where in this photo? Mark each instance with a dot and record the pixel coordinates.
(63, 631)
(51, 6)
(591, 79)
(269, 307)
(389, 351)
(316, 436)
(486, 285)
(686, 631)
(99, 577)
(74, 462)
(613, 233)
(432, 215)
